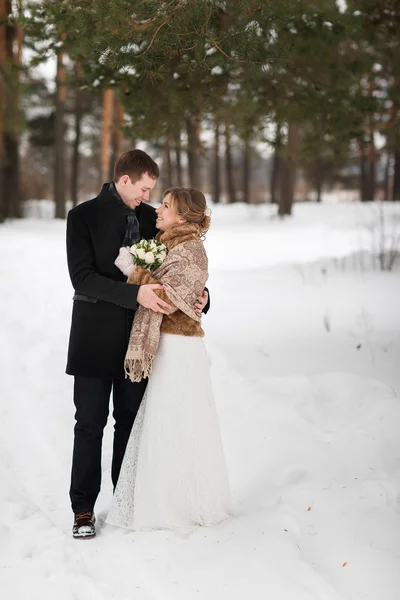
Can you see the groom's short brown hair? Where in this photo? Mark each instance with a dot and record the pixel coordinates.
(135, 163)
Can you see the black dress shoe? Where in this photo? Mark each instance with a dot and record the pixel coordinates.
(84, 525)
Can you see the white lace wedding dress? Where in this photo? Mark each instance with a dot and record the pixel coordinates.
(174, 475)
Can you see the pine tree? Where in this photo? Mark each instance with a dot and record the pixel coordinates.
(375, 34)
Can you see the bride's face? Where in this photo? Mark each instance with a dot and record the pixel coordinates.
(166, 215)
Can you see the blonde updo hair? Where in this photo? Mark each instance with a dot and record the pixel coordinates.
(192, 205)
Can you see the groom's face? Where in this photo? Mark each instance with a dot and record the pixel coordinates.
(134, 193)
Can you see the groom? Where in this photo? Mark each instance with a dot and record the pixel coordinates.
(102, 316)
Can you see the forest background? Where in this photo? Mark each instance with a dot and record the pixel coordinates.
(253, 101)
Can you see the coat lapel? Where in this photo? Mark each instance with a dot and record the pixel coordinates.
(111, 218)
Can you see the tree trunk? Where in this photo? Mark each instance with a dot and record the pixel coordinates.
(370, 154)
(288, 173)
(319, 191)
(396, 174)
(178, 158)
(119, 123)
(169, 178)
(318, 188)
(13, 179)
(286, 189)
(193, 152)
(59, 150)
(11, 173)
(276, 166)
(363, 173)
(18, 213)
(78, 115)
(367, 169)
(246, 170)
(117, 135)
(217, 173)
(319, 179)
(108, 100)
(11, 54)
(3, 16)
(230, 179)
(276, 174)
(386, 182)
(9, 139)
(371, 167)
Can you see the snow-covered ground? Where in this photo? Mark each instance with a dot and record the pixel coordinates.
(304, 340)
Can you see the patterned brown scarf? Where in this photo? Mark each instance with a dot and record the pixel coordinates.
(183, 274)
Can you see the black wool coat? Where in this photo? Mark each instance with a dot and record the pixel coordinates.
(104, 304)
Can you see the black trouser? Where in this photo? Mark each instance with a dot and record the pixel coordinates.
(91, 397)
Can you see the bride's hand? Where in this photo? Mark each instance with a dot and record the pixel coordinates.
(124, 261)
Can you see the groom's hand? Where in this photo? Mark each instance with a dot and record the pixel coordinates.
(147, 298)
(201, 302)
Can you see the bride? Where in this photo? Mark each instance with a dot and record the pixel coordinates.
(173, 475)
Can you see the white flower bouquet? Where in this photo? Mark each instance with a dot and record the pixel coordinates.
(148, 254)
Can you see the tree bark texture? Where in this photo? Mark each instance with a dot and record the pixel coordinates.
(59, 150)
(396, 174)
(386, 181)
(168, 172)
(318, 179)
(193, 151)
(371, 166)
(78, 115)
(230, 177)
(178, 159)
(276, 167)
(117, 135)
(217, 166)
(119, 123)
(246, 170)
(3, 17)
(363, 174)
(10, 58)
(276, 172)
(105, 148)
(287, 182)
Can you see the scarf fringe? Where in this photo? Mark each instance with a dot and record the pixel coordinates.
(139, 368)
